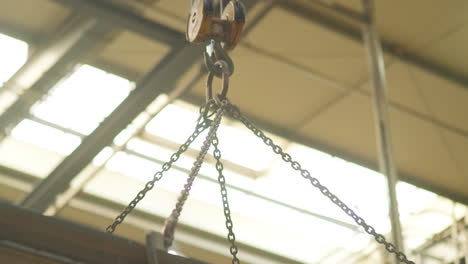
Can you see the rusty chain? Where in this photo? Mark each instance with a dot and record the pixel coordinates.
(202, 124)
(236, 114)
(227, 211)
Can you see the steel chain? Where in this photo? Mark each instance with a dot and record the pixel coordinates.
(227, 211)
(202, 124)
(236, 114)
(171, 222)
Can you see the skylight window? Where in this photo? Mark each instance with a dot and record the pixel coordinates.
(83, 100)
(177, 121)
(36, 148)
(13, 54)
(244, 148)
(133, 166)
(174, 123)
(46, 137)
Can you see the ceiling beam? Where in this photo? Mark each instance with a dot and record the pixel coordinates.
(47, 66)
(394, 49)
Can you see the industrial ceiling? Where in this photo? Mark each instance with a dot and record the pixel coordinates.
(301, 73)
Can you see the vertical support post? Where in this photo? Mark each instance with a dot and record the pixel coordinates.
(386, 162)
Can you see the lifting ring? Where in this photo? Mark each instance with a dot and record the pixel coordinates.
(224, 67)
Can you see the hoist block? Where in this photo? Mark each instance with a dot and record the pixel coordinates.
(203, 24)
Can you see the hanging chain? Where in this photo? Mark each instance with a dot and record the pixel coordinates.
(171, 222)
(202, 124)
(236, 114)
(227, 211)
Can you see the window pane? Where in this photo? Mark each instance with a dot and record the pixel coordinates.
(35, 148)
(13, 54)
(46, 137)
(83, 100)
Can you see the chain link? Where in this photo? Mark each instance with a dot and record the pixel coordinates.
(227, 211)
(202, 124)
(171, 222)
(236, 114)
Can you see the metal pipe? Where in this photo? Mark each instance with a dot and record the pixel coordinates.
(386, 162)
